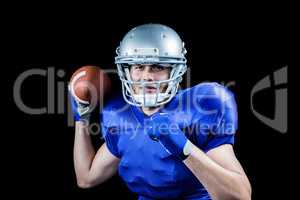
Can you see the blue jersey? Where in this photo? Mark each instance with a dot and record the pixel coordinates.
(207, 115)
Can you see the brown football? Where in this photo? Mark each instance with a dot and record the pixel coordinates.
(90, 84)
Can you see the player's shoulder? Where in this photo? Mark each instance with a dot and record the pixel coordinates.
(114, 110)
(114, 103)
(209, 88)
(207, 95)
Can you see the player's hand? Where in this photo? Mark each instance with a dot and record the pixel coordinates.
(161, 128)
(81, 109)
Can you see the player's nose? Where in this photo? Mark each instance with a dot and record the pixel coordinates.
(147, 73)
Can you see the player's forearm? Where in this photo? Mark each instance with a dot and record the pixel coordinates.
(219, 182)
(83, 152)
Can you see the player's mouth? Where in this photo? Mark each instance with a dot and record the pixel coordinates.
(149, 89)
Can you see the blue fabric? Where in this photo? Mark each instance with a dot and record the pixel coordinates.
(207, 115)
(74, 107)
(163, 129)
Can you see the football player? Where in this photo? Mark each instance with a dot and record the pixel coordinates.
(166, 143)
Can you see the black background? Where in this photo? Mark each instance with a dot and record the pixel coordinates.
(242, 45)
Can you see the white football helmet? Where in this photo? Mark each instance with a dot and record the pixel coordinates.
(151, 44)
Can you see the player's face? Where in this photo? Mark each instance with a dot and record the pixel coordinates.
(149, 73)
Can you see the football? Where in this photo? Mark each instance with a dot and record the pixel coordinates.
(89, 84)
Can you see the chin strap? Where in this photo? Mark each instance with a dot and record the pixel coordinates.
(150, 100)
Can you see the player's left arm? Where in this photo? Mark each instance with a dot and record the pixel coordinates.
(215, 164)
(220, 172)
(218, 169)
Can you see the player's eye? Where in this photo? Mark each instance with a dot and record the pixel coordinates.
(138, 67)
(157, 68)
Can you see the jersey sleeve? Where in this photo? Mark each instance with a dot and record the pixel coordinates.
(111, 138)
(110, 132)
(223, 125)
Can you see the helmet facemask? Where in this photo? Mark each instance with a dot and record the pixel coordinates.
(150, 99)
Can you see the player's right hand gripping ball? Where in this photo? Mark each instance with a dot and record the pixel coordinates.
(88, 86)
